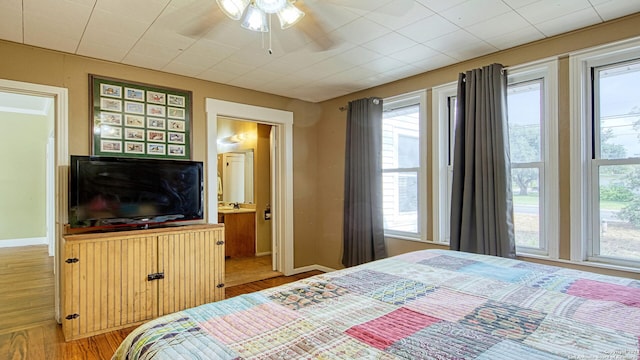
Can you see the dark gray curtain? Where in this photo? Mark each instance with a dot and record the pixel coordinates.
(363, 232)
(481, 199)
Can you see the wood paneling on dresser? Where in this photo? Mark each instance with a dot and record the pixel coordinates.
(115, 280)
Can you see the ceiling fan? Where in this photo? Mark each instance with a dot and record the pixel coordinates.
(305, 16)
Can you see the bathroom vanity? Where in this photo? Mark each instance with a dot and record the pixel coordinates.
(240, 231)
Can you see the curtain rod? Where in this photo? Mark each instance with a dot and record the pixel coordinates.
(345, 108)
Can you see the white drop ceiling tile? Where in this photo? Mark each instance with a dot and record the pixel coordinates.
(515, 38)
(427, 29)
(230, 33)
(459, 38)
(176, 67)
(307, 75)
(358, 55)
(477, 50)
(328, 67)
(315, 93)
(329, 16)
(363, 75)
(167, 39)
(517, 4)
(205, 52)
(308, 56)
(51, 39)
(144, 11)
(382, 64)
(402, 72)
(569, 22)
(11, 20)
(390, 43)
(440, 5)
(152, 55)
(145, 61)
(437, 61)
(361, 30)
(501, 24)
(281, 66)
(105, 31)
(104, 24)
(461, 45)
(474, 11)
(612, 9)
(393, 22)
(217, 74)
(66, 20)
(260, 76)
(545, 10)
(245, 82)
(251, 58)
(102, 50)
(413, 54)
(232, 68)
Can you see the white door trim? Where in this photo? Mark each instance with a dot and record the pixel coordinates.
(61, 108)
(282, 210)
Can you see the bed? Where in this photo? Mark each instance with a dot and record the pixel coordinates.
(431, 304)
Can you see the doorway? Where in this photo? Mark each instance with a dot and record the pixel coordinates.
(56, 154)
(244, 178)
(281, 207)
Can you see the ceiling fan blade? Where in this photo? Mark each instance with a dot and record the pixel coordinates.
(398, 8)
(314, 29)
(184, 22)
(289, 40)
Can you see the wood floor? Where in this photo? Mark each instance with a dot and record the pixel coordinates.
(27, 327)
(244, 270)
(26, 280)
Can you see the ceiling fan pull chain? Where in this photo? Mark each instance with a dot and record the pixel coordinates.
(270, 29)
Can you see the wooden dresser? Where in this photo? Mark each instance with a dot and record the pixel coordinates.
(114, 280)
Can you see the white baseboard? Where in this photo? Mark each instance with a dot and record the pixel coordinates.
(311, 268)
(263, 253)
(23, 242)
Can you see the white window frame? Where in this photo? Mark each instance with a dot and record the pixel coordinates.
(408, 99)
(583, 195)
(546, 69)
(441, 171)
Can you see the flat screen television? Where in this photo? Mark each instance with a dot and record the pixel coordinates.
(112, 193)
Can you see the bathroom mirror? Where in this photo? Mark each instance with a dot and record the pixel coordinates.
(236, 173)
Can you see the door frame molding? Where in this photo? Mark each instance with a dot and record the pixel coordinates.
(282, 210)
(61, 162)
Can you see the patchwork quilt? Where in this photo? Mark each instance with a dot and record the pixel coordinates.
(432, 304)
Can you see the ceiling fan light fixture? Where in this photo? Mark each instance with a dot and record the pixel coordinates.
(255, 19)
(271, 6)
(289, 15)
(233, 8)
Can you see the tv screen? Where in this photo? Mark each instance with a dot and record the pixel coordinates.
(112, 192)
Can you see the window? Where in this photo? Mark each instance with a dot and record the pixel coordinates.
(606, 228)
(532, 117)
(402, 173)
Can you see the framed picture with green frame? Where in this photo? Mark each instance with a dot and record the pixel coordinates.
(131, 119)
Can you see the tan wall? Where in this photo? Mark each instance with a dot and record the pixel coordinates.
(34, 65)
(263, 188)
(331, 131)
(22, 176)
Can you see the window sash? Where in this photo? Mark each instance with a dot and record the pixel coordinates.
(415, 99)
(543, 247)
